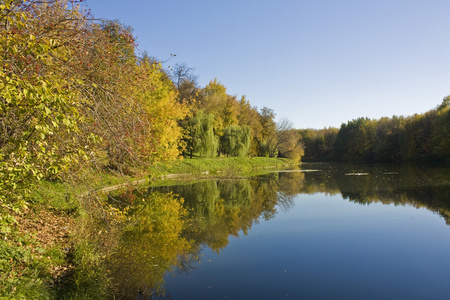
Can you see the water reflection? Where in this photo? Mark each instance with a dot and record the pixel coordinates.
(144, 240)
(418, 186)
(218, 209)
(167, 227)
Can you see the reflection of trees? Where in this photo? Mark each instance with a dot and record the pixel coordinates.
(160, 232)
(149, 243)
(220, 208)
(289, 185)
(416, 185)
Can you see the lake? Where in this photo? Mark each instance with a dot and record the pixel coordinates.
(323, 231)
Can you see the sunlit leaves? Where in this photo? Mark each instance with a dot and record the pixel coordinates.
(37, 109)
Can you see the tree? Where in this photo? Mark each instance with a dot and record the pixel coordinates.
(74, 95)
(355, 140)
(268, 142)
(38, 108)
(387, 139)
(289, 144)
(249, 116)
(201, 138)
(441, 130)
(235, 140)
(181, 73)
(213, 100)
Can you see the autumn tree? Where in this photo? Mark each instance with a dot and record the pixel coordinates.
(181, 74)
(38, 108)
(74, 95)
(268, 142)
(249, 116)
(388, 132)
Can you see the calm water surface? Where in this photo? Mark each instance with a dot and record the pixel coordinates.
(322, 232)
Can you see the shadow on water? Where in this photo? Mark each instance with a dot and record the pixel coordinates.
(161, 229)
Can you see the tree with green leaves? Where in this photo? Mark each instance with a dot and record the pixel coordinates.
(40, 115)
(355, 140)
(235, 140)
(201, 139)
(441, 130)
(268, 141)
(249, 116)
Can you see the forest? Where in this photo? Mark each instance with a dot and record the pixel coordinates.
(417, 138)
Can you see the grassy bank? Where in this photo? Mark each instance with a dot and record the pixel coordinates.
(45, 252)
(219, 166)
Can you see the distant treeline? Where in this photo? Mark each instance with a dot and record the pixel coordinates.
(421, 137)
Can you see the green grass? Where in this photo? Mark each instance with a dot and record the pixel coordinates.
(220, 166)
(89, 279)
(26, 267)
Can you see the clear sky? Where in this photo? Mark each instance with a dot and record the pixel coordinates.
(318, 63)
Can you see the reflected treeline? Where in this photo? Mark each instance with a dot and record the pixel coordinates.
(417, 185)
(140, 240)
(218, 209)
(161, 228)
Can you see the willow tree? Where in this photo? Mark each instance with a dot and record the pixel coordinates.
(249, 116)
(235, 140)
(200, 138)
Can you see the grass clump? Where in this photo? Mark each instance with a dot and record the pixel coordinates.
(89, 278)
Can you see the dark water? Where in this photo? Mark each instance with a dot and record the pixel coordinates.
(322, 232)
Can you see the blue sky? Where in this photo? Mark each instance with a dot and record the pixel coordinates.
(317, 63)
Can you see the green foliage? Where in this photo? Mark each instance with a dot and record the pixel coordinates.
(26, 267)
(441, 130)
(268, 141)
(235, 140)
(355, 140)
(37, 111)
(421, 137)
(90, 280)
(318, 144)
(249, 116)
(202, 139)
(388, 133)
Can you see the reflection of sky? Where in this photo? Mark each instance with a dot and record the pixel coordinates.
(326, 247)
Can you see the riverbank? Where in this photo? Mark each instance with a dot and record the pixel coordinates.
(45, 252)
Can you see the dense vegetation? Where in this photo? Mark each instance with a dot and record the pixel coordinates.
(422, 137)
